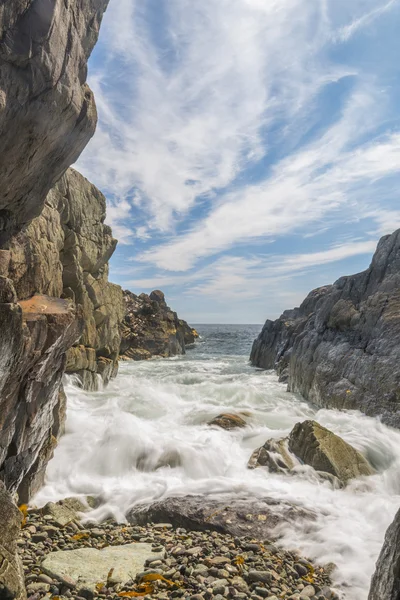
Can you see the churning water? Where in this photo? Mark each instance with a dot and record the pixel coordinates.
(145, 438)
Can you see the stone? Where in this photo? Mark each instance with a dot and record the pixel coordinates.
(341, 347)
(64, 511)
(88, 566)
(231, 516)
(385, 584)
(11, 570)
(259, 576)
(274, 454)
(324, 451)
(228, 421)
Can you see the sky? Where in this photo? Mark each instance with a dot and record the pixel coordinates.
(249, 150)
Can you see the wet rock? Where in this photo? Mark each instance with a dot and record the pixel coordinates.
(65, 511)
(89, 566)
(273, 454)
(341, 347)
(385, 584)
(228, 421)
(324, 451)
(236, 517)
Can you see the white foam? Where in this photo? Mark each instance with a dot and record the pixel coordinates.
(145, 438)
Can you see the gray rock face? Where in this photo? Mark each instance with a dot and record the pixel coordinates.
(47, 115)
(47, 112)
(385, 583)
(151, 328)
(11, 572)
(341, 348)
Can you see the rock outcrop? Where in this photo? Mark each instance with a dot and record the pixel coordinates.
(385, 583)
(11, 571)
(151, 328)
(228, 421)
(47, 116)
(341, 348)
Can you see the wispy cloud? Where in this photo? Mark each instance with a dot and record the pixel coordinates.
(226, 126)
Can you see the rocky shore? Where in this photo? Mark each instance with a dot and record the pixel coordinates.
(67, 558)
(341, 347)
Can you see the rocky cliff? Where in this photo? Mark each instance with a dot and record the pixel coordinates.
(385, 583)
(47, 116)
(341, 347)
(151, 328)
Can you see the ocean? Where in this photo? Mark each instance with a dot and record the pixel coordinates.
(145, 437)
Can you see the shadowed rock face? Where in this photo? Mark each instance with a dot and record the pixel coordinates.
(341, 348)
(151, 328)
(47, 112)
(385, 583)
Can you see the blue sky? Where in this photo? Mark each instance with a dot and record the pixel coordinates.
(249, 150)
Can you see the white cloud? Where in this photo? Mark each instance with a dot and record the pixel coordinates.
(181, 118)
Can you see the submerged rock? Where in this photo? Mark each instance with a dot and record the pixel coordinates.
(151, 328)
(238, 517)
(324, 451)
(273, 454)
(385, 583)
(228, 421)
(85, 568)
(341, 348)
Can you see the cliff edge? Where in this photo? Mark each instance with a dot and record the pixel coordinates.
(341, 347)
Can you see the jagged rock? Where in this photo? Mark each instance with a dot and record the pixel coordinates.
(385, 583)
(151, 328)
(341, 348)
(65, 511)
(228, 421)
(35, 336)
(11, 571)
(65, 252)
(238, 517)
(275, 455)
(324, 451)
(86, 567)
(47, 111)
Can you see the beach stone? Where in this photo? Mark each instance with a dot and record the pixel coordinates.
(88, 566)
(263, 576)
(308, 591)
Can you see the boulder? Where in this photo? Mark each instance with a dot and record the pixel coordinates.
(275, 455)
(228, 421)
(385, 584)
(86, 567)
(238, 517)
(65, 511)
(11, 571)
(324, 451)
(341, 347)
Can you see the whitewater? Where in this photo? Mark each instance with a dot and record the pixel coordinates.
(145, 438)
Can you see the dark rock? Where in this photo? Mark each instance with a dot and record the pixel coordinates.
(341, 348)
(238, 517)
(151, 328)
(385, 583)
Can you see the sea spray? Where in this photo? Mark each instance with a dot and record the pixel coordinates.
(146, 437)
